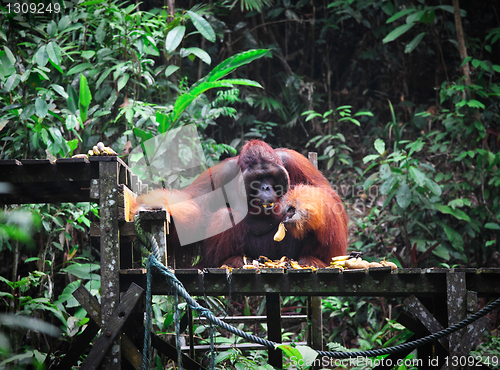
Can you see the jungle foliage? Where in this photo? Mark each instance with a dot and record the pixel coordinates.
(406, 125)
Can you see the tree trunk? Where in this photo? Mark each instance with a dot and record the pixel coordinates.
(461, 42)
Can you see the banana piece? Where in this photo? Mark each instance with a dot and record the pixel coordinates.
(340, 258)
(280, 234)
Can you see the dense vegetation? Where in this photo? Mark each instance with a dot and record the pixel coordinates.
(399, 98)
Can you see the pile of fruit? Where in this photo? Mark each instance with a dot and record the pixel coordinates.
(356, 262)
(351, 261)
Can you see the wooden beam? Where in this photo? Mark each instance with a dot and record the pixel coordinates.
(91, 305)
(110, 250)
(273, 311)
(112, 330)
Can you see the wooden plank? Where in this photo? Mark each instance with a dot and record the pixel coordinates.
(359, 284)
(273, 311)
(112, 329)
(110, 250)
(70, 161)
(457, 305)
(315, 329)
(10, 162)
(91, 305)
(425, 317)
(79, 346)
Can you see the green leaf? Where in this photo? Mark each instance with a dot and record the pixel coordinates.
(85, 95)
(41, 107)
(79, 68)
(202, 54)
(492, 226)
(87, 54)
(454, 237)
(51, 29)
(92, 2)
(146, 135)
(461, 215)
(60, 90)
(387, 185)
(41, 56)
(164, 121)
(9, 55)
(290, 351)
(202, 26)
(379, 146)
(122, 81)
(174, 38)
(414, 43)
(82, 271)
(370, 157)
(102, 77)
(400, 14)
(418, 176)
(230, 64)
(403, 196)
(185, 100)
(433, 186)
(385, 171)
(54, 52)
(64, 22)
(394, 34)
(71, 122)
(475, 104)
(12, 82)
(100, 33)
(67, 292)
(171, 69)
(415, 17)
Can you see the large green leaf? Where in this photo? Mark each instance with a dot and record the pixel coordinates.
(79, 68)
(454, 237)
(200, 53)
(230, 64)
(398, 31)
(41, 107)
(12, 82)
(122, 81)
(414, 43)
(174, 38)
(185, 100)
(41, 56)
(461, 215)
(60, 90)
(54, 52)
(400, 14)
(82, 271)
(418, 176)
(85, 95)
(403, 196)
(202, 26)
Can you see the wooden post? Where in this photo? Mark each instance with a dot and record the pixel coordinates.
(110, 252)
(314, 314)
(273, 311)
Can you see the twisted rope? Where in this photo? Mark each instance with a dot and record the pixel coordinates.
(172, 279)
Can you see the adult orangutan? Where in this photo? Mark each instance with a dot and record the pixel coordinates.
(277, 186)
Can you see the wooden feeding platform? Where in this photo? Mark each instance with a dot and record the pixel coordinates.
(435, 298)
